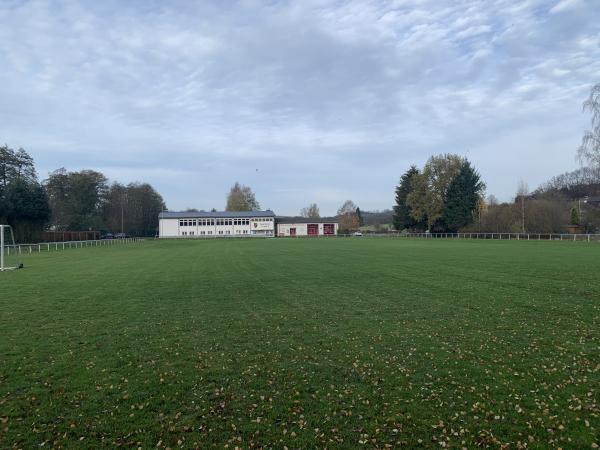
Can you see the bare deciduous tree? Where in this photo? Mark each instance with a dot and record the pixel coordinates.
(522, 192)
(311, 211)
(589, 150)
(348, 217)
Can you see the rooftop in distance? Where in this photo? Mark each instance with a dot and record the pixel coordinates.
(213, 214)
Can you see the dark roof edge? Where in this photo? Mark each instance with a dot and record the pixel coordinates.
(215, 214)
(288, 219)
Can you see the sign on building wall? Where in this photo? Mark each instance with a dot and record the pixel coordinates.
(262, 225)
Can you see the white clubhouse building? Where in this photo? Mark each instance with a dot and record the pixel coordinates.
(199, 224)
(216, 224)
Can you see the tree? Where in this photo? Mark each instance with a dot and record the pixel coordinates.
(361, 221)
(427, 198)
(57, 189)
(28, 209)
(574, 216)
(492, 200)
(522, 192)
(462, 198)
(402, 218)
(23, 202)
(132, 209)
(241, 198)
(311, 211)
(15, 165)
(76, 199)
(589, 150)
(347, 216)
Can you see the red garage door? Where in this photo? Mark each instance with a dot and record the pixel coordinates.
(313, 229)
(328, 229)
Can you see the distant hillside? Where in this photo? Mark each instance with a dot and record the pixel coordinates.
(377, 217)
(584, 182)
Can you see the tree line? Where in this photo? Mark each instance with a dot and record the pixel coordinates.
(447, 195)
(72, 200)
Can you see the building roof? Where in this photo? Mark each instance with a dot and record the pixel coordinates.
(213, 214)
(284, 220)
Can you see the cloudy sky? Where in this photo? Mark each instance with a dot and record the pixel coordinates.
(305, 101)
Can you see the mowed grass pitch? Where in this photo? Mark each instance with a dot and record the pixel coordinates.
(339, 343)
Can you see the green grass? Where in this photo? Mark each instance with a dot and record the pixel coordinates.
(337, 343)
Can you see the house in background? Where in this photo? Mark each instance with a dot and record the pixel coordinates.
(303, 226)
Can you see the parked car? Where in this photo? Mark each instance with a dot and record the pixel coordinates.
(107, 236)
(121, 236)
(357, 233)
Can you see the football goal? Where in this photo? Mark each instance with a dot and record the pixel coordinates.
(9, 257)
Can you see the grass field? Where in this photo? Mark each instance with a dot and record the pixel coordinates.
(340, 343)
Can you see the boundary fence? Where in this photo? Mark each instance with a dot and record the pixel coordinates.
(56, 246)
(494, 236)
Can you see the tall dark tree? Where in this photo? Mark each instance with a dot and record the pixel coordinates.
(28, 209)
(402, 218)
(57, 188)
(359, 216)
(23, 202)
(76, 199)
(462, 197)
(132, 209)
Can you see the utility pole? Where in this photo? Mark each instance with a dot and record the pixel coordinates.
(522, 192)
(523, 214)
(122, 209)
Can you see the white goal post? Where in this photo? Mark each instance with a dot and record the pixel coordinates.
(7, 240)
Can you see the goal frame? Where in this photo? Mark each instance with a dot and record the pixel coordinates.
(5, 234)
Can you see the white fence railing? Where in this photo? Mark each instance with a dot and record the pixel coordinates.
(495, 236)
(56, 246)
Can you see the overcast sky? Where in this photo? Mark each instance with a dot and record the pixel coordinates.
(305, 101)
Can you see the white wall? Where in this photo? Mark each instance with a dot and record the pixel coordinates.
(283, 229)
(170, 228)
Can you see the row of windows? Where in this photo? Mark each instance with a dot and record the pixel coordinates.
(204, 233)
(212, 222)
(194, 222)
